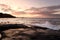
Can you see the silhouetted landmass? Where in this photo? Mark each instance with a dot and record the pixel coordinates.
(6, 16)
(23, 32)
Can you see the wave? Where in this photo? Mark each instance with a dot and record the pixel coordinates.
(48, 25)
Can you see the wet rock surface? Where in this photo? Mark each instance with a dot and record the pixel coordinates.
(30, 33)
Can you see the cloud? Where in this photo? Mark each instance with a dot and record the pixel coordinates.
(48, 12)
(5, 8)
(44, 12)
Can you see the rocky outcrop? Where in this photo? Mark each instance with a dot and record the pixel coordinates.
(23, 32)
(6, 16)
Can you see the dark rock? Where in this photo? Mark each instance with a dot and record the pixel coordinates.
(23, 32)
(6, 16)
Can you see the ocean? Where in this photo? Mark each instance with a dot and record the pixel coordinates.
(52, 23)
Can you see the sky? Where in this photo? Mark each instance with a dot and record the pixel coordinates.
(23, 4)
(31, 8)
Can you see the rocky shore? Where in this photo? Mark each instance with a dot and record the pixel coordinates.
(23, 32)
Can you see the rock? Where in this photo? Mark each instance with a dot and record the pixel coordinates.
(0, 35)
(25, 33)
(6, 16)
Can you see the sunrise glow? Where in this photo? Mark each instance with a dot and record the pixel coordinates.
(30, 8)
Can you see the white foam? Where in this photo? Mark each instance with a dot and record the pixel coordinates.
(48, 25)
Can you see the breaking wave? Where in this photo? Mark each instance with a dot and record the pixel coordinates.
(48, 25)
